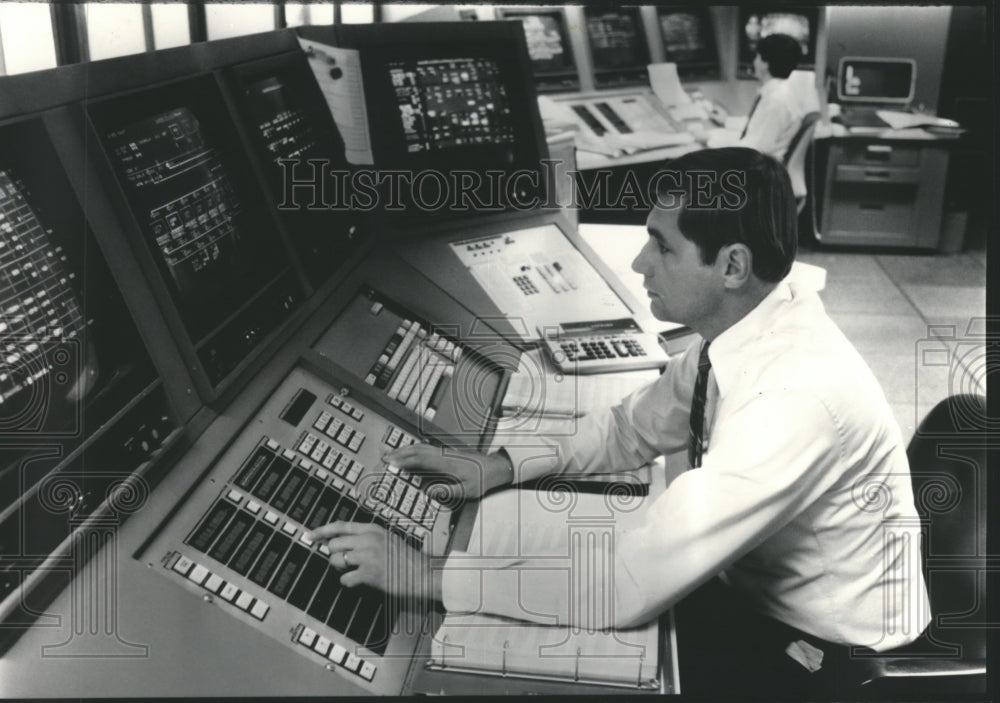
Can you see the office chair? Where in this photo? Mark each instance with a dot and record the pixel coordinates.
(948, 467)
(795, 158)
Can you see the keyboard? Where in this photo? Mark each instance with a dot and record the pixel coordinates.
(602, 347)
(861, 117)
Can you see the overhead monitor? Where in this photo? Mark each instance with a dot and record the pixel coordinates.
(200, 217)
(618, 46)
(688, 35)
(453, 111)
(755, 23)
(72, 356)
(298, 145)
(876, 80)
(549, 48)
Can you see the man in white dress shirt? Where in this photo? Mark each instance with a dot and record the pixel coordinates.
(778, 110)
(790, 537)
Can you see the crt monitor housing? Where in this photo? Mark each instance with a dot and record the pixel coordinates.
(547, 35)
(618, 49)
(288, 123)
(755, 23)
(446, 100)
(73, 361)
(877, 81)
(688, 35)
(200, 217)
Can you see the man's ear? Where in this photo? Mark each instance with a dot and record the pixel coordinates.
(736, 263)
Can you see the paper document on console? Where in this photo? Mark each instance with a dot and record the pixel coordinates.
(535, 532)
(537, 388)
(338, 72)
(666, 84)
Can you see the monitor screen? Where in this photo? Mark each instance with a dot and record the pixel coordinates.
(617, 45)
(688, 35)
(201, 215)
(289, 124)
(450, 108)
(876, 80)
(72, 356)
(548, 46)
(800, 23)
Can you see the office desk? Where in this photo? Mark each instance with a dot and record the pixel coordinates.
(880, 189)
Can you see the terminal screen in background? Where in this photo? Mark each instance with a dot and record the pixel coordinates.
(547, 46)
(453, 102)
(616, 39)
(688, 36)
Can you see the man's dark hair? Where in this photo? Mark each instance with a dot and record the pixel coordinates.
(781, 53)
(736, 195)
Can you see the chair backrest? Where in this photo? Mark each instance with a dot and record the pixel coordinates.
(948, 468)
(795, 155)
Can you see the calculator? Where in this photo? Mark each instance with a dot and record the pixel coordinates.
(602, 346)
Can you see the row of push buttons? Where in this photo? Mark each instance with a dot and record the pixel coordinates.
(399, 491)
(600, 349)
(201, 576)
(395, 437)
(307, 637)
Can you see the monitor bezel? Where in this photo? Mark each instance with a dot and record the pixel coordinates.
(569, 77)
(700, 68)
(602, 75)
(842, 64)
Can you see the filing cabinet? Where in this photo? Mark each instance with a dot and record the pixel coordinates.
(883, 192)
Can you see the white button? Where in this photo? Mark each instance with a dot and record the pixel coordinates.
(183, 565)
(271, 444)
(353, 662)
(271, 517)
(253, 506)
(307, 636)
(229, 591)
(260, 609)
(337, 654)
(244, 601)
(305, 464)
(304, 538)
(288, 454)
(324, 550)
(322, 645)
(289, 529)
(367, 671)
(235, 496)
(214, 583)
(198, 574)
(322, 475)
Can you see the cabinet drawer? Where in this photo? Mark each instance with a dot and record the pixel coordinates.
(871, 217)
(884, 154)
(876, 174)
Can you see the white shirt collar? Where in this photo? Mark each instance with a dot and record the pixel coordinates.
(771, 85)
(727, 351)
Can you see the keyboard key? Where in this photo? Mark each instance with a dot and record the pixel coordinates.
(253, 506)
(183, 565)
(234, 496)
(260, 610)
(198, 574)
(289, 529)
(322, 646)
(322, 421)
(307, 637)
(229, 592)
(342, 467)
(352, 663)
(244, 601)
(367, 671)
(337, 654)
(271, 517)
(307, 443)
(355, 444)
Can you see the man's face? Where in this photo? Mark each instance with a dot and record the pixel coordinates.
(681, 288)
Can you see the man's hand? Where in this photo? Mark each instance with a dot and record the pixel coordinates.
(369, 555)
(454, 475)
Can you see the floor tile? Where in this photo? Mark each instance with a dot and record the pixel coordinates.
(949, 303)
(955, 270)
(864, 295)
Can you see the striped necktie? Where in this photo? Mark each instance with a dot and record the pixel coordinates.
(697, 422)
(750, 116)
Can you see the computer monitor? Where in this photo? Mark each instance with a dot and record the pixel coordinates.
(452, 109)
(876, 80)
(755, 23)
(547, 34)
(72, 359)
(289, 124)
(200, 218)
(618, 46)
(688, 35)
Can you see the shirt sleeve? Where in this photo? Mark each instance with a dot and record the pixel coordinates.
(767, 463)
(651, 421)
